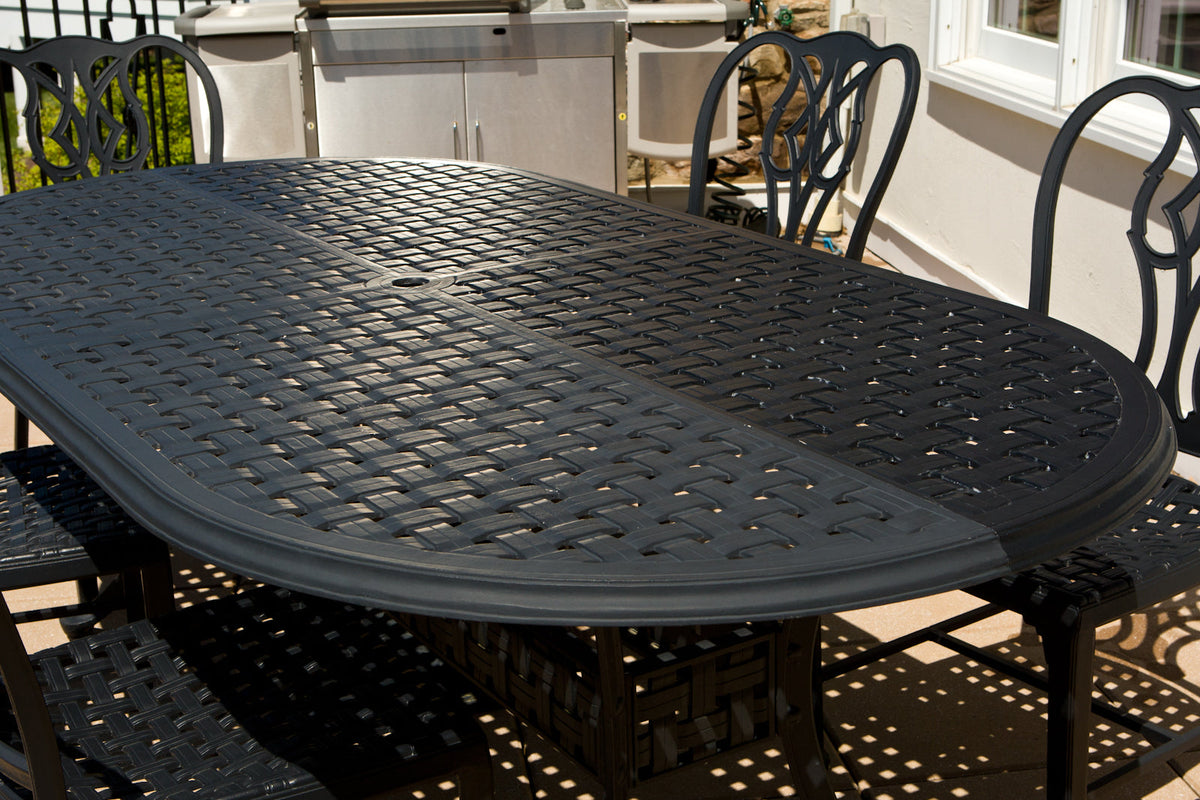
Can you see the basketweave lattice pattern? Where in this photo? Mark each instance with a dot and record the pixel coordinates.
(852, 362)
(392, 415)
(475, 441)
(258, 694)
(70, 248)
(453, 215)
(907, 362)
(53, 516)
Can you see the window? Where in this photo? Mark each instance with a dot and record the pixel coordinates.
(1022, 32)
(1164, 35)
(1041, 57)
(1039, 20)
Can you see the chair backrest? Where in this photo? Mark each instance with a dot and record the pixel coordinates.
(91, 89)
(1179, 381)
(818, 152)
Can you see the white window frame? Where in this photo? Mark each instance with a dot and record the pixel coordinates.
(1037, 56)
(1041, 79)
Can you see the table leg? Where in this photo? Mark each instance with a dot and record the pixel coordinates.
(20, 430)
(615, 715)
(800, 714)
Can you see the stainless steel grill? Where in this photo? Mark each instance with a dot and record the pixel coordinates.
(538, 84)
(328, 8)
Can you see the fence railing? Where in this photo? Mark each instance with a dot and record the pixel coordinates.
(116, 20)
(30, 20)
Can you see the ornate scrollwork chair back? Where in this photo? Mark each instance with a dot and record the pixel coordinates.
(1178, 212)
(810, 152)
(88, 108)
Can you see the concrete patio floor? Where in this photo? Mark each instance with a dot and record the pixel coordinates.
(927, 723)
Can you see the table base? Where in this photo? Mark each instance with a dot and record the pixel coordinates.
(634, 704)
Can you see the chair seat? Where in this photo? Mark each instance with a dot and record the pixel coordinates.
(56, 524)
(264, 693)
(1151, 558)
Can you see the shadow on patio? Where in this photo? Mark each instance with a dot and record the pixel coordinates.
(927, 723)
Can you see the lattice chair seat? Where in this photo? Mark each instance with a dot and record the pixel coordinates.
(56, 525)
(1159, 548)
(266, 693)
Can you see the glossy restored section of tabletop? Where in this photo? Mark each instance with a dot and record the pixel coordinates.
(470, 391)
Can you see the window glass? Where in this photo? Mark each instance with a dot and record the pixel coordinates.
(1038, 18)
(1164, 34)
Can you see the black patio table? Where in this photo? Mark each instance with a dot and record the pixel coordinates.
(473, 392)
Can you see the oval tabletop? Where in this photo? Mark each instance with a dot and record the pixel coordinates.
(475, 392)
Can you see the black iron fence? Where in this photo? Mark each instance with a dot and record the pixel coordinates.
(159, 81)
(39, 19)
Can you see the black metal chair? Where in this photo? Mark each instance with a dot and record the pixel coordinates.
(57, 525)
(85, 96)
(829, 77)
(261, 694)
(1154, 556)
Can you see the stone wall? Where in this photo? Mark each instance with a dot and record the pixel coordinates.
(805, 18)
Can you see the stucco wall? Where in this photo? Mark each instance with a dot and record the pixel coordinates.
(958, 208)
(961, 204)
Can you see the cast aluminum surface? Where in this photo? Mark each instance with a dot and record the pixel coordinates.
(466, 390)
